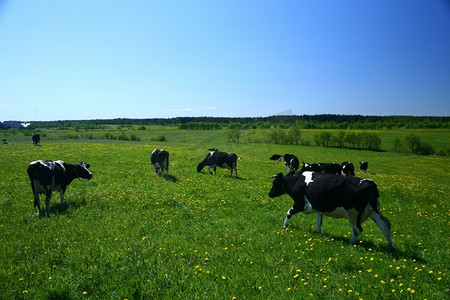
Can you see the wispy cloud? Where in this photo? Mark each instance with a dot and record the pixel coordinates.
(211, 107)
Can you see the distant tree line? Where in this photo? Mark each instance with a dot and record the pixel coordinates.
(341, 139)
(325, 121)
(412, 143)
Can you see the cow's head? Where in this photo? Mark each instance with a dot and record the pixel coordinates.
(81, 170)
(200, 167)
(277, 186)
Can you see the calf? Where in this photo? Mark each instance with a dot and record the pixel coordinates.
(160, 161)
(49, 176)
(331, 168)
(348, 169)
(219, 159)
(334, 196)
(363, 165)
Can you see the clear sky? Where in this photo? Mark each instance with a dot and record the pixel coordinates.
(71, 60)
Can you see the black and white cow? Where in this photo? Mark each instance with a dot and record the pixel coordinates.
(50, 176)
(334, 196)
(348, 169)
(291, 161)
(36, 139)
(160, 161)
(363, 166)
(219, 159)
(331, 168)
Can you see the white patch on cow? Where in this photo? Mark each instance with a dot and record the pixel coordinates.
(308, 177)
(61, 164)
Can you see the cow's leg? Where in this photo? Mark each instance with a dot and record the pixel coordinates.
(235, 171)
(319, 222)
(48, 197)
(296, 208)
(37, 203)
(385, 226)
(353, 218)
(61, 197)
(154, 169)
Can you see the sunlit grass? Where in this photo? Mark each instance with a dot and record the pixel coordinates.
(130, 234)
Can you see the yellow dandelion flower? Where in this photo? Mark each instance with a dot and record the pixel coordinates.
(223, 277)
(84, 293)
(24, 292)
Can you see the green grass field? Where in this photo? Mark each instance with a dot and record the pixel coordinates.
(128, 234)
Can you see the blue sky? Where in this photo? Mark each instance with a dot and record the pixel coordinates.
(71, 60)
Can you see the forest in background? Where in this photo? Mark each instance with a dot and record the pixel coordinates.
(324, 121)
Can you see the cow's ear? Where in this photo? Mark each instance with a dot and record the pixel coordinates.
(87, 166)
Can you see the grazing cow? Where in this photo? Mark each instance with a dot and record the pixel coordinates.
(4, 141)
(291, 161)
(331, 168)
(49, 176)
(334, 196)
(36, 139)
(348, 169)
(363, 165)
(276, 157)
(160, 161)
(219, 159)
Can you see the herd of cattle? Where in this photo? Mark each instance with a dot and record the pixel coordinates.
(326, 189)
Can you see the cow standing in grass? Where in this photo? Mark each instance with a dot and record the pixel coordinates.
(363, 166)
(348, 169)
(291, 162)
(220, 159)
(36, 139)
(160, 161)
(334, 196)
(53, 176)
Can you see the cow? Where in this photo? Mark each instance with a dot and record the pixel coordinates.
(160, 161)
(363, 166)
(219, 159)
(348, 169)
(4, 141)
(49, 176)
(331, 168)
(335, 196)
(36, 139)
(291, 161)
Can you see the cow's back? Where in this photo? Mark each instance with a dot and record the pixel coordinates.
(326, 192)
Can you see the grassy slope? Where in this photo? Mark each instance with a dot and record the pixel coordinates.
(129, 234)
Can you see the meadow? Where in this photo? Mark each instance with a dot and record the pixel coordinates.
(128, 234)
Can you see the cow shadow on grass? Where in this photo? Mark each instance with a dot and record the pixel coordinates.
(370, 246)
(64, 208)
(171, 178)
